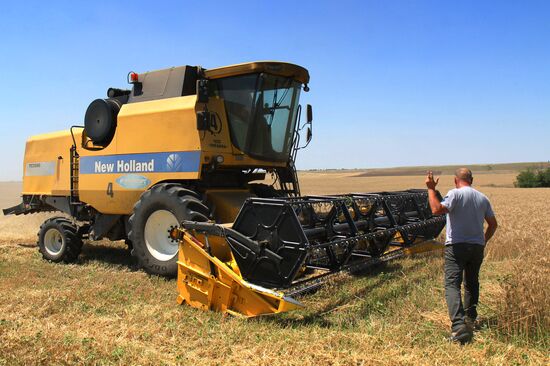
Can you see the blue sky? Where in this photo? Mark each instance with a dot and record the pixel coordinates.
(393, 83)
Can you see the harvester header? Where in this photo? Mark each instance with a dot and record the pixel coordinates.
(281, 247)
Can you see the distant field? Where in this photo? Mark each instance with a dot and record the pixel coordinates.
(103, 310)
(506, 168)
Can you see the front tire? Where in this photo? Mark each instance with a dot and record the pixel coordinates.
(59, 240)
(159, 210)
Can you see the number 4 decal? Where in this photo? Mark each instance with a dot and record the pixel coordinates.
(110, 189)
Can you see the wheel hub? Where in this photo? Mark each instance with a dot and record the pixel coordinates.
(53, 242)
(158, 240)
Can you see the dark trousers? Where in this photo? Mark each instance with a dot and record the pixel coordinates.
(462, 260)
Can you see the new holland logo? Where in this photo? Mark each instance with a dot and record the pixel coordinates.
(122, 166)
(174, 162)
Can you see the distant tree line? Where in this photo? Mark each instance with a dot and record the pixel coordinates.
(532, 178)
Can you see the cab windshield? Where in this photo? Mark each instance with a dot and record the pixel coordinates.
(261, 111)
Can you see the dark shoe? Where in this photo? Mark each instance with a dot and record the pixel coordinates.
(463, 335)
(472, 323)
(471, 312)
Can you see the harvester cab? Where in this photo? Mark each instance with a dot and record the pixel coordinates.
(177, 168)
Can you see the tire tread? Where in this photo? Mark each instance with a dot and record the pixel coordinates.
(173, 192)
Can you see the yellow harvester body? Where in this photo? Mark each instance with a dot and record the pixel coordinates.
(185, 143)
(151, 131)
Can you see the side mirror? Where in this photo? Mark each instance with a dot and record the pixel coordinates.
(202, 91)
(309, 113)
(309, 135)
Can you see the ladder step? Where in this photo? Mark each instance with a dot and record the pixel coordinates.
(75, 169)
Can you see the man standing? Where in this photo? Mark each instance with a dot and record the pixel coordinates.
(466, 209)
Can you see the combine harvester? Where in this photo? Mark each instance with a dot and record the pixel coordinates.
(169, 166)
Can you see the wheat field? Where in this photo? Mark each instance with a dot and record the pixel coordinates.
(103, 311)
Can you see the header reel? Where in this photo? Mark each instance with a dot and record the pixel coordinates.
(279, 243)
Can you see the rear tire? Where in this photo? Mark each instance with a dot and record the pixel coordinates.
(59, 240)
(158, 210)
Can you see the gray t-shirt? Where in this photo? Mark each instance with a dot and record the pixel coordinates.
(468, 209)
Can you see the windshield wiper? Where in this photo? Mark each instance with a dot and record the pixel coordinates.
(277, 104)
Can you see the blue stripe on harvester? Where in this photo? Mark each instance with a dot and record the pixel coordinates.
(165, 162)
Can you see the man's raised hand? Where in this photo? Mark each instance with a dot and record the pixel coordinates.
(430, 182)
